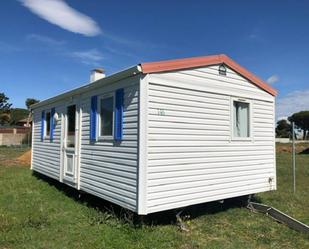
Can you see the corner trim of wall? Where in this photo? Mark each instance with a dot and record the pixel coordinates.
(61, 148)
(142, 147)
(274, 143)
(79, 149)
(32, 141)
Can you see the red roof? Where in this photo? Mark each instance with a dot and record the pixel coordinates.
(171, 65)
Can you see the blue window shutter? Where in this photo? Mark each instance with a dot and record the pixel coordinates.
(42, 125)
(93, 118)
(52, 125)
(118, 133)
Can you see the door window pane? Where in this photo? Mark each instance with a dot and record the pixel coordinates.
(106, 116)
(241, 117)
(47, 118)
(71, 121)
(69, 163)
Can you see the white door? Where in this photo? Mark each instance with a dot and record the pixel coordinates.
(70, 144)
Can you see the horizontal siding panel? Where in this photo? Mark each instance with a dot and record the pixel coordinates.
(187, 132)
(115, 180)
(46, 154)
(120, 152)
(38, 165)
(211, 148)
(155, 206)
(207, 154)
(87, 149)
(211, 180)
(156, 95)
(119, 189)
(214, 197)
(223, 172)
(188, 114)
(116, 198)
(184, 143)
(179, 108)
(187, 103)
(46, 161)
(197, 76)
(197, 195)
(214, 78)
(206, 84)
(187, 120)
(188, 137)
(124, 143)
(210, 185)
(189, 189)
(109, 168)
(46, 172)
(178, 125)
(187, 92)
(219, 164)
(177, 161)
(191, 155)
(112, 168)
(110, 159)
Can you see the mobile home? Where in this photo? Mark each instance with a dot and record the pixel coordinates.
(161, 135)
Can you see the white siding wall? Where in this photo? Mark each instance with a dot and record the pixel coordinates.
(46, 154)
(109, 169)
(191, 157)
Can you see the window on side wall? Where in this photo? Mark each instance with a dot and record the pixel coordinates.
(241, 119)
(106, 118)
(47, 122)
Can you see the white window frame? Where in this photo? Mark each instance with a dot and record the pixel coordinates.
(45, 124)
(105, 137)
(243, 100)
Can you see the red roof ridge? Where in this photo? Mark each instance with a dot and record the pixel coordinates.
(184, 63)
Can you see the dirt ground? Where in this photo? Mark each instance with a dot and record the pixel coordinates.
(25, 158)
(300, 148)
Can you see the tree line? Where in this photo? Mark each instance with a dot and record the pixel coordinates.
(9, 115)
(301, 121)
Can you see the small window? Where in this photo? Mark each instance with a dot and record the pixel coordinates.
(222, 69)
(71, 123)
(106, 116)
(47, 120)
(241, 119)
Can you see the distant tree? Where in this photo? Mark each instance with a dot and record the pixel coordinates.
(29, 102)
(17, 114)
(5, 108)
(4, 118)
(301, 120)
(283, 129)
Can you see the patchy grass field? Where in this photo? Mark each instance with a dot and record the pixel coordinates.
(38, 213)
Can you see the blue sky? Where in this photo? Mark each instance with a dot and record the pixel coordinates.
(50, 46)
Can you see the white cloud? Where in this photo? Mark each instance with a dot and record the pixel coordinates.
(58, 12)
(293, 102)
(44, 39)
(273, 79)
(89, 57)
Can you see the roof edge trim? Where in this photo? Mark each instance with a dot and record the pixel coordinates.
(193, 62)
(132, 71)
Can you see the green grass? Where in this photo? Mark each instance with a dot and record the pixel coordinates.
(36, 213)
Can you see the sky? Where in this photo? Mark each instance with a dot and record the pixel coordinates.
(50, 46)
